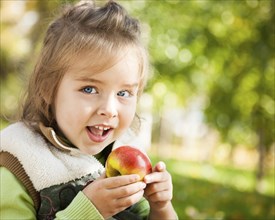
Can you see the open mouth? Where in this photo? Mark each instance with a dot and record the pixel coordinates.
(98, 133)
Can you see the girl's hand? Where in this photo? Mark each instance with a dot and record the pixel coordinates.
(159, 192)
(113, 195)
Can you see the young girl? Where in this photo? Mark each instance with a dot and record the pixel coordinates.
(81, 98)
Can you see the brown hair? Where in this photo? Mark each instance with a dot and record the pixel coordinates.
(83, 28)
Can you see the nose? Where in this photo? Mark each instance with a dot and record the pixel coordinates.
(108, 107)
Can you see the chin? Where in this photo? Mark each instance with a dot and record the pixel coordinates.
(91, 150)
(94, 149)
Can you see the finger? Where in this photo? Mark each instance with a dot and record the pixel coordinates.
(160, 196)
(157, 187)
(157, 177)
(160, 167)
(125, 202)
(117, 181)
(127, 190)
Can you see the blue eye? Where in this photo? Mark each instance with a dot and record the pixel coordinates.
(124, 93)
(89, 90)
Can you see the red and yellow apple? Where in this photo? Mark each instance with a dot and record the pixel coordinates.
(127, 160)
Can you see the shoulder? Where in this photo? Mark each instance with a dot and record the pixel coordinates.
(18, 126)
(9, 181)
(13, 190)
(18, 134)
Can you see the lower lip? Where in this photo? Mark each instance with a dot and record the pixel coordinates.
(96, 138)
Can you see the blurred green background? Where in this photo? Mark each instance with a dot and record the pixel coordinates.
(209, 102)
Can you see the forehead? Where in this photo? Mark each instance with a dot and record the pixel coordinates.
(87, 63)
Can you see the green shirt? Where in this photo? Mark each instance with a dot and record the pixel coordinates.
(15, 203)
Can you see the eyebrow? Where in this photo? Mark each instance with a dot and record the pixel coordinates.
(85, 79)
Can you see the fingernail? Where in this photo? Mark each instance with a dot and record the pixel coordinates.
(136, 177)
(143, 185)
(161, 165)
(147, 179)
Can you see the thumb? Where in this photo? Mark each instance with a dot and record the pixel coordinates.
(160, 167)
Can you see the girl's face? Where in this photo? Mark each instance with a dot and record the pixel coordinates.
(94, 109)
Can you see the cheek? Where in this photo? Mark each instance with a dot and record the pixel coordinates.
(63, 108)
(60, 115)
(127, 114)
(67, 114)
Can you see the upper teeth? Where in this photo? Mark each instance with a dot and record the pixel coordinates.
(102, 128)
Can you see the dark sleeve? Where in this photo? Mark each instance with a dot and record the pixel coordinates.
(139, 211)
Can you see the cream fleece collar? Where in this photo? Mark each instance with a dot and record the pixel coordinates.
(46, 164)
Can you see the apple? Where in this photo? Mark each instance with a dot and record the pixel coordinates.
(127, 160)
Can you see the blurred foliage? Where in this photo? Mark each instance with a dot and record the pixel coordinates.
(198, 197)
(222, 52)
